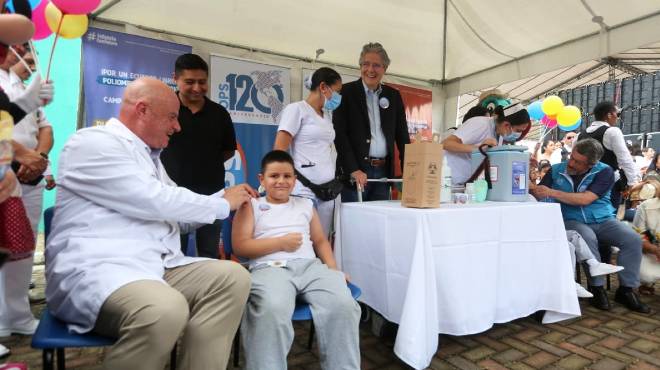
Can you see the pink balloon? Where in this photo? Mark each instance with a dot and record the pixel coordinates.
(548, 122)
(41, 29)
(76, 6)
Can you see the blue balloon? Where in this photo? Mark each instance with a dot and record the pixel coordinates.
(535, 111)
(571, 128)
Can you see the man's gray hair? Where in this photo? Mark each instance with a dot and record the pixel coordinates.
(589, 148)
(375, 47)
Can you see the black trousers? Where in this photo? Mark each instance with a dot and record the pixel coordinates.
(207, 240)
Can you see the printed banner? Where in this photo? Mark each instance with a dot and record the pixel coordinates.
(112, 59)
(419, 114)
(419, 109)
(254, 94)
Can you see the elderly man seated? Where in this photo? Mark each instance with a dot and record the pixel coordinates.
(582, 185)
(113, 261)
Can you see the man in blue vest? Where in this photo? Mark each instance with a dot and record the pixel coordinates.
(582, 185)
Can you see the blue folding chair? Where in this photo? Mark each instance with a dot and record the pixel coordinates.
(52, 335)
(302, 312)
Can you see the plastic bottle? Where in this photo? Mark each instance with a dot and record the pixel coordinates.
(445, 188)
(471, 192)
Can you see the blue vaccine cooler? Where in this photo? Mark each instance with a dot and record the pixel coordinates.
(508, 170)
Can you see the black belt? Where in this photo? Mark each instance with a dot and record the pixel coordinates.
(376, 162)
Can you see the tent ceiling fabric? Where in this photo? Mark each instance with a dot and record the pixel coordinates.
(299, 28)
(480, 35)
(645, 59)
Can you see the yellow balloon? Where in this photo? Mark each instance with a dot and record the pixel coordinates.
(568, 116)
(72, 27)
(552, 105)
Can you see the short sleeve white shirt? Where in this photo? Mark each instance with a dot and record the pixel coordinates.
(473, 131)
(312, 147)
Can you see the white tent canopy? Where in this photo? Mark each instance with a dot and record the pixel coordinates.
(457, 46)
(618, 66)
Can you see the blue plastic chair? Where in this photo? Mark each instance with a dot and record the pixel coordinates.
(302, 312)
(52, 335)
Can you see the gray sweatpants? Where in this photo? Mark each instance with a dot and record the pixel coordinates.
(578, 247)
(267, 330)
(618, 234)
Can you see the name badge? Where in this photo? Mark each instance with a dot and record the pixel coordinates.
(264, 207)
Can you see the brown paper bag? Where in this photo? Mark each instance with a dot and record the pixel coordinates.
(422, 174)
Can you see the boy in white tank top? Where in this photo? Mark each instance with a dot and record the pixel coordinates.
(291, 259)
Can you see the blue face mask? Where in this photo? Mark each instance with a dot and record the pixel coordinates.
(332, 103)
(512, 137)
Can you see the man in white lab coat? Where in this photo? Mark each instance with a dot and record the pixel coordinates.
(113, 261)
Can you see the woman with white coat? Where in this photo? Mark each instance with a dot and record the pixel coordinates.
(508, 125)
(306, 128)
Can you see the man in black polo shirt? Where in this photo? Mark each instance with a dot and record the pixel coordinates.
(195, 156)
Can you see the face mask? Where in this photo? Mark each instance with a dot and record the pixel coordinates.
(512, 137)
(332, 103)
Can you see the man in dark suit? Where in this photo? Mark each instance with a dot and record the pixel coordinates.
(369, 122)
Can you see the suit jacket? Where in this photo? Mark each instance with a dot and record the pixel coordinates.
(353, 133)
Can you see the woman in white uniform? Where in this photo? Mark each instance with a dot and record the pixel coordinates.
(306, 128)
(507, 126)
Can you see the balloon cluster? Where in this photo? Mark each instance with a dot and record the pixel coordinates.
(552, 113)
(65, 18)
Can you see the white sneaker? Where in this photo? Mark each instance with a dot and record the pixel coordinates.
(603, 269)
(27, 328)
(4, 351)
(581, 292)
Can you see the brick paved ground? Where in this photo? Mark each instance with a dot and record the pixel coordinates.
(617, 339)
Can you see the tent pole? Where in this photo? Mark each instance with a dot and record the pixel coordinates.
(444, 45)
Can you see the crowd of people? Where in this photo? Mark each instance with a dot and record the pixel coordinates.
(130, 192)
(599, 185)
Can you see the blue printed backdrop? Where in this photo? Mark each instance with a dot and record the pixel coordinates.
(112, 59)
(254, 94)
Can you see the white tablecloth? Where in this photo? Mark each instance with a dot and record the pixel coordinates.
(457, 269)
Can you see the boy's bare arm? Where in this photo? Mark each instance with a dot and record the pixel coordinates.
(242, 237)
(322, 246)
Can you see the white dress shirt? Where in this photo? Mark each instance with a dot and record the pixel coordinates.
(116, 221)
(378, 145)
(613, 140)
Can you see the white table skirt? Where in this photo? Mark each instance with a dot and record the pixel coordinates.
(457, 269)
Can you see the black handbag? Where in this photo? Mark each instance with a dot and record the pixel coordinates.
(326, 191)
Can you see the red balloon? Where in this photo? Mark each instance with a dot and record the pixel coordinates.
(549, 122)
(76, 6)
(41, 29)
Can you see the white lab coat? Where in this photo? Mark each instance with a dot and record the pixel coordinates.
(116, 221)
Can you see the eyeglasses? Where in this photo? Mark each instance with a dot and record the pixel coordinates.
(369, 64)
